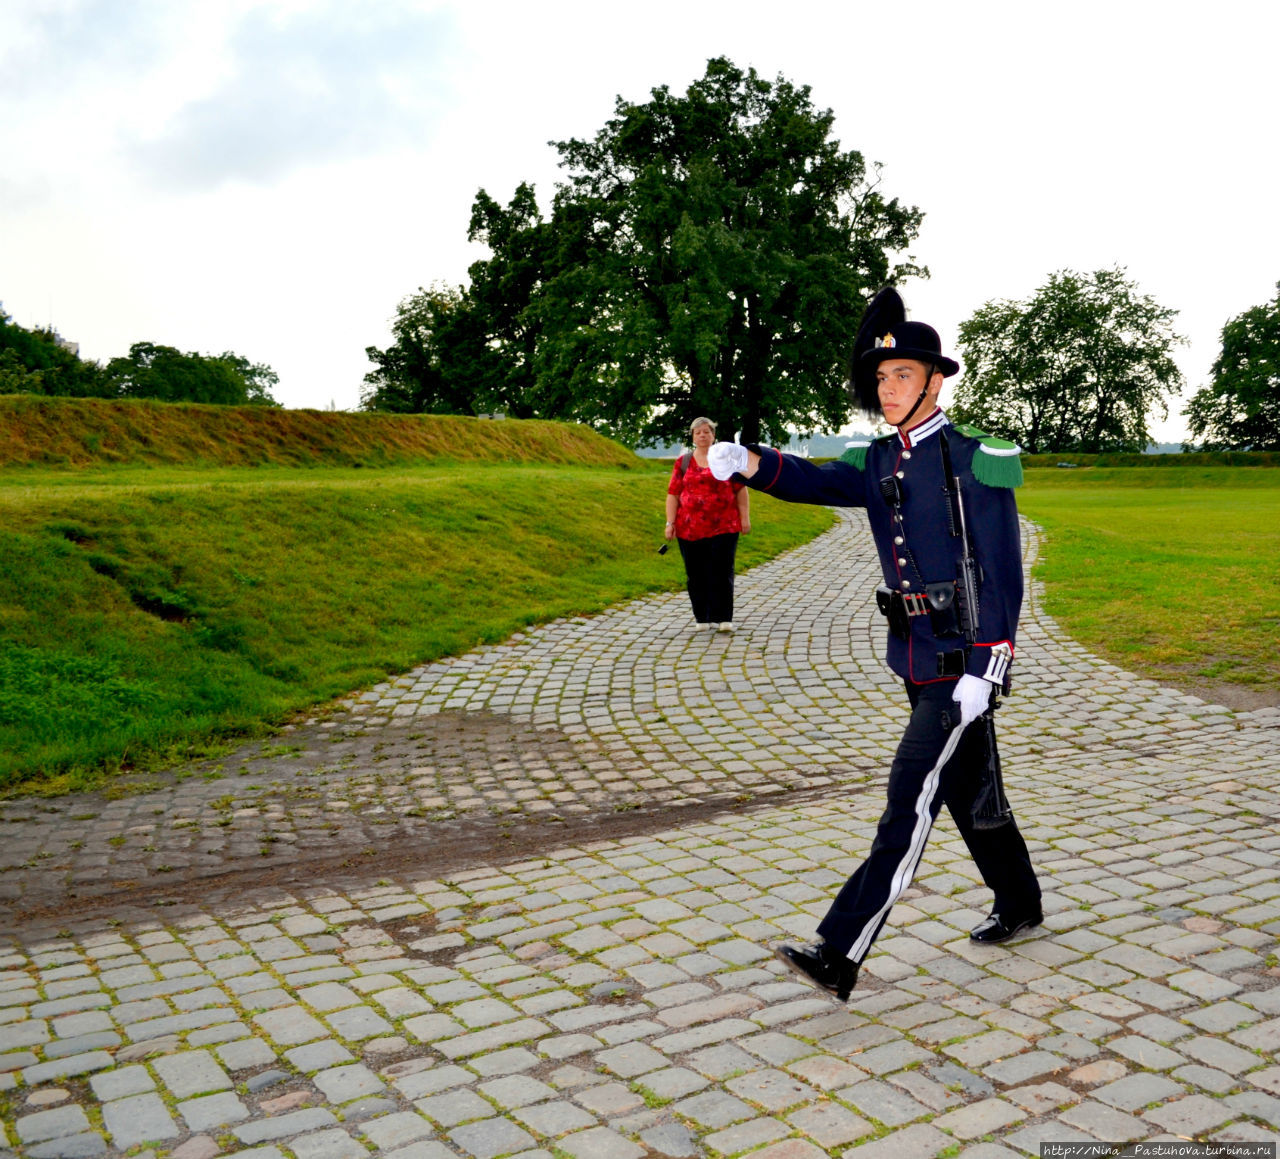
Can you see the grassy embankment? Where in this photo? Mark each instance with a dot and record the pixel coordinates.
(147, 611)
(1173, 572)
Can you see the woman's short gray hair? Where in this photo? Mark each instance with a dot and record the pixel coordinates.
(702, 422)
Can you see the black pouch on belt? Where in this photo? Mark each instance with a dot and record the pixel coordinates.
(944, 616)
(892, 605)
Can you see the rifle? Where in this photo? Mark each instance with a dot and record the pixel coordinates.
(990, 807)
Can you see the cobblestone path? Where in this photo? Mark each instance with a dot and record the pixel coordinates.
(612, 996)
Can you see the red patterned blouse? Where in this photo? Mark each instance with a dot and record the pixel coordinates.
(707, 506)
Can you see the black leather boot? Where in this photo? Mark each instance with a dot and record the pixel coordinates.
(824, 967)
(1001, 927)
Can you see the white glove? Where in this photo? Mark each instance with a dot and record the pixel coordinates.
(726, 460)
(973, 694)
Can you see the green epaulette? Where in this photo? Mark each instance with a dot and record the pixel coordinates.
(856, 455)
(997, 463)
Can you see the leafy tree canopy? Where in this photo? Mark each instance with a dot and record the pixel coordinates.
(167, 374)
(440, 362)
(708, 253)
(39, 362)
(1240, 409)
(1079, 366)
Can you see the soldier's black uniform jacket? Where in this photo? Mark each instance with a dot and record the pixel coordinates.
(915, 541)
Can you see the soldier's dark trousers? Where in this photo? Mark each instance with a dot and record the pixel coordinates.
(708, 563)
(917, 791)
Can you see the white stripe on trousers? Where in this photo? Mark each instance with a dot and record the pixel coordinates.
(915, 850)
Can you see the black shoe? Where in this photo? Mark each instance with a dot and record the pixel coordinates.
(999, 928)
(823, 967)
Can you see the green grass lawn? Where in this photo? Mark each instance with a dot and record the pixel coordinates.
(145, 613)
(1174, 574)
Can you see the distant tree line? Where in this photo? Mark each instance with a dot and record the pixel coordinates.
(39, 362)
(709, 253)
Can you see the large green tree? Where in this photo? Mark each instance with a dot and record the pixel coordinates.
(707, 253)
(165, 373)
(439, 362)
(720, 246)
(1079, 366)
(39, 362)
(1240, 408)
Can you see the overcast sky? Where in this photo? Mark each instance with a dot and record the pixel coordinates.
(273, 177)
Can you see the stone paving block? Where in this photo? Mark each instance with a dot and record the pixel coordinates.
(746, 1136)
(631, 1060)
(212, 1111)
(599, 1143)
(139, 1119)
(1105, 1123)
(69, 1147)
(244, 1054)
(555, 1118)
(328, 996)
(829, 1124)
(290, 1026)
(334, 1143)
(771, 1089)
(673, 1083)
(491, 1137)
(430, 1149)
(671, 1139)
(925, 1090)
(713, 1109)
(76, 1064)
(1265, 1036)
(1023, 1068)
(122, 1081)
(283, 1126)
(453, 1107)
(318, 1055)
(1040, 1098)
(495, 1037)
(358, 1023)
(396, 1130)
(980, 1118)
(429, 1082)
(1145, 1053)
(882, 1102)
(512, 1091)
(1029, 1139)
(53, 1124)
(191, 1072)
(341, 1084)
(1203, 985)
(1205, 1077)
(1193, 1117)
(1222, 1055)
(918, 1141)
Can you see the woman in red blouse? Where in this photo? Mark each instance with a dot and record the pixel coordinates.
(705, 516)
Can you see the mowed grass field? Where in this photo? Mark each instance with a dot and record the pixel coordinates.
(148, 613)
(1172, 573)
(172, 579)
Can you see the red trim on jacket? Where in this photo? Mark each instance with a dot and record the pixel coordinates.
(777, 474)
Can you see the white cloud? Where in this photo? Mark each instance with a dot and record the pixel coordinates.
(325, 83)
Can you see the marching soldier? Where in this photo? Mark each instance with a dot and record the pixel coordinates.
(939, 499)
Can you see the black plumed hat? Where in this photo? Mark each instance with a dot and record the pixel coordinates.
(886, 333)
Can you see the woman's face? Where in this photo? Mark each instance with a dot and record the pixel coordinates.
(703, 436)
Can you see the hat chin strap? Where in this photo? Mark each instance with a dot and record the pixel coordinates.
(928, 378)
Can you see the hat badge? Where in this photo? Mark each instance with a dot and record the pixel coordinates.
(887, 342)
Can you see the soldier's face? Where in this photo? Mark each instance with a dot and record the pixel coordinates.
(899, 383)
